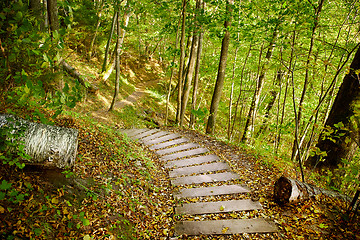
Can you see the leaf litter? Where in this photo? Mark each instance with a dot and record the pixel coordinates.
(119, 190)
(116, 190)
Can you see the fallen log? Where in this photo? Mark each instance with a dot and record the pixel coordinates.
(45, 144)
(291, 190)
(82, 80)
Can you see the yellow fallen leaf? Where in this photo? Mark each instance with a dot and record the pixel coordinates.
(87, 237)
(55, 200)
(222, 208)
(2, 210)
(225, 229)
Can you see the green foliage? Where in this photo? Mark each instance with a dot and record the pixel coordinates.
(201, 115)
(12, 150)
(30, 65)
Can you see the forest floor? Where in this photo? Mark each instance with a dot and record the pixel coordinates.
(119, 189)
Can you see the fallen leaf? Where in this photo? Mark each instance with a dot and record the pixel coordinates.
(87, 237)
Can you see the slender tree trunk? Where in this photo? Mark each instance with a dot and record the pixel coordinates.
(197, 77)
(99, 10)
(241, 91)
(274, 93)
(256, 97)
(232, 93)
(210, 127)
(188, 78)
(125, 22)
(117, 61)
(289, 70)
(46, 15)
(307, 68)
(191, 68)
(181, 62)
(103, 69)
(338, 145)
(171, 75)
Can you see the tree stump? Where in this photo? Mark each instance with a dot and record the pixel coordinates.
(291, 190)
(45, 144)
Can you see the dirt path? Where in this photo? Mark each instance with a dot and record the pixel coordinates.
(139, 92)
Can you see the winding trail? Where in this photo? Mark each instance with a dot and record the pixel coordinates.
(190, 166)
(140, 91)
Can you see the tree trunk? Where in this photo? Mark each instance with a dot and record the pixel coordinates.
(82, 80)
(210, 127)
(45, 144)
(99, 9)
(229, 132)
(191, 68)
(196, 81)
(241, 90)
(307, 67)
(256, 97)
(52, 11)
(46, 15)
(172, 74)
(125, 22)
(36, 8)
(188, 79)
(117, 62)
(338, 144)
(181, 61)
(273, 96)
(103, 69)
(287, 190)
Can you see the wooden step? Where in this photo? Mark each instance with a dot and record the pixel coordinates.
(192, 161)
(144, 134)
(211, 191)
(134, 131)
(233, 226)
(177, 148)
(210, 167)
(169, 143)
(188, 153)
(216, 177)
(153, 136)
(171, 136)
(218, 207)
